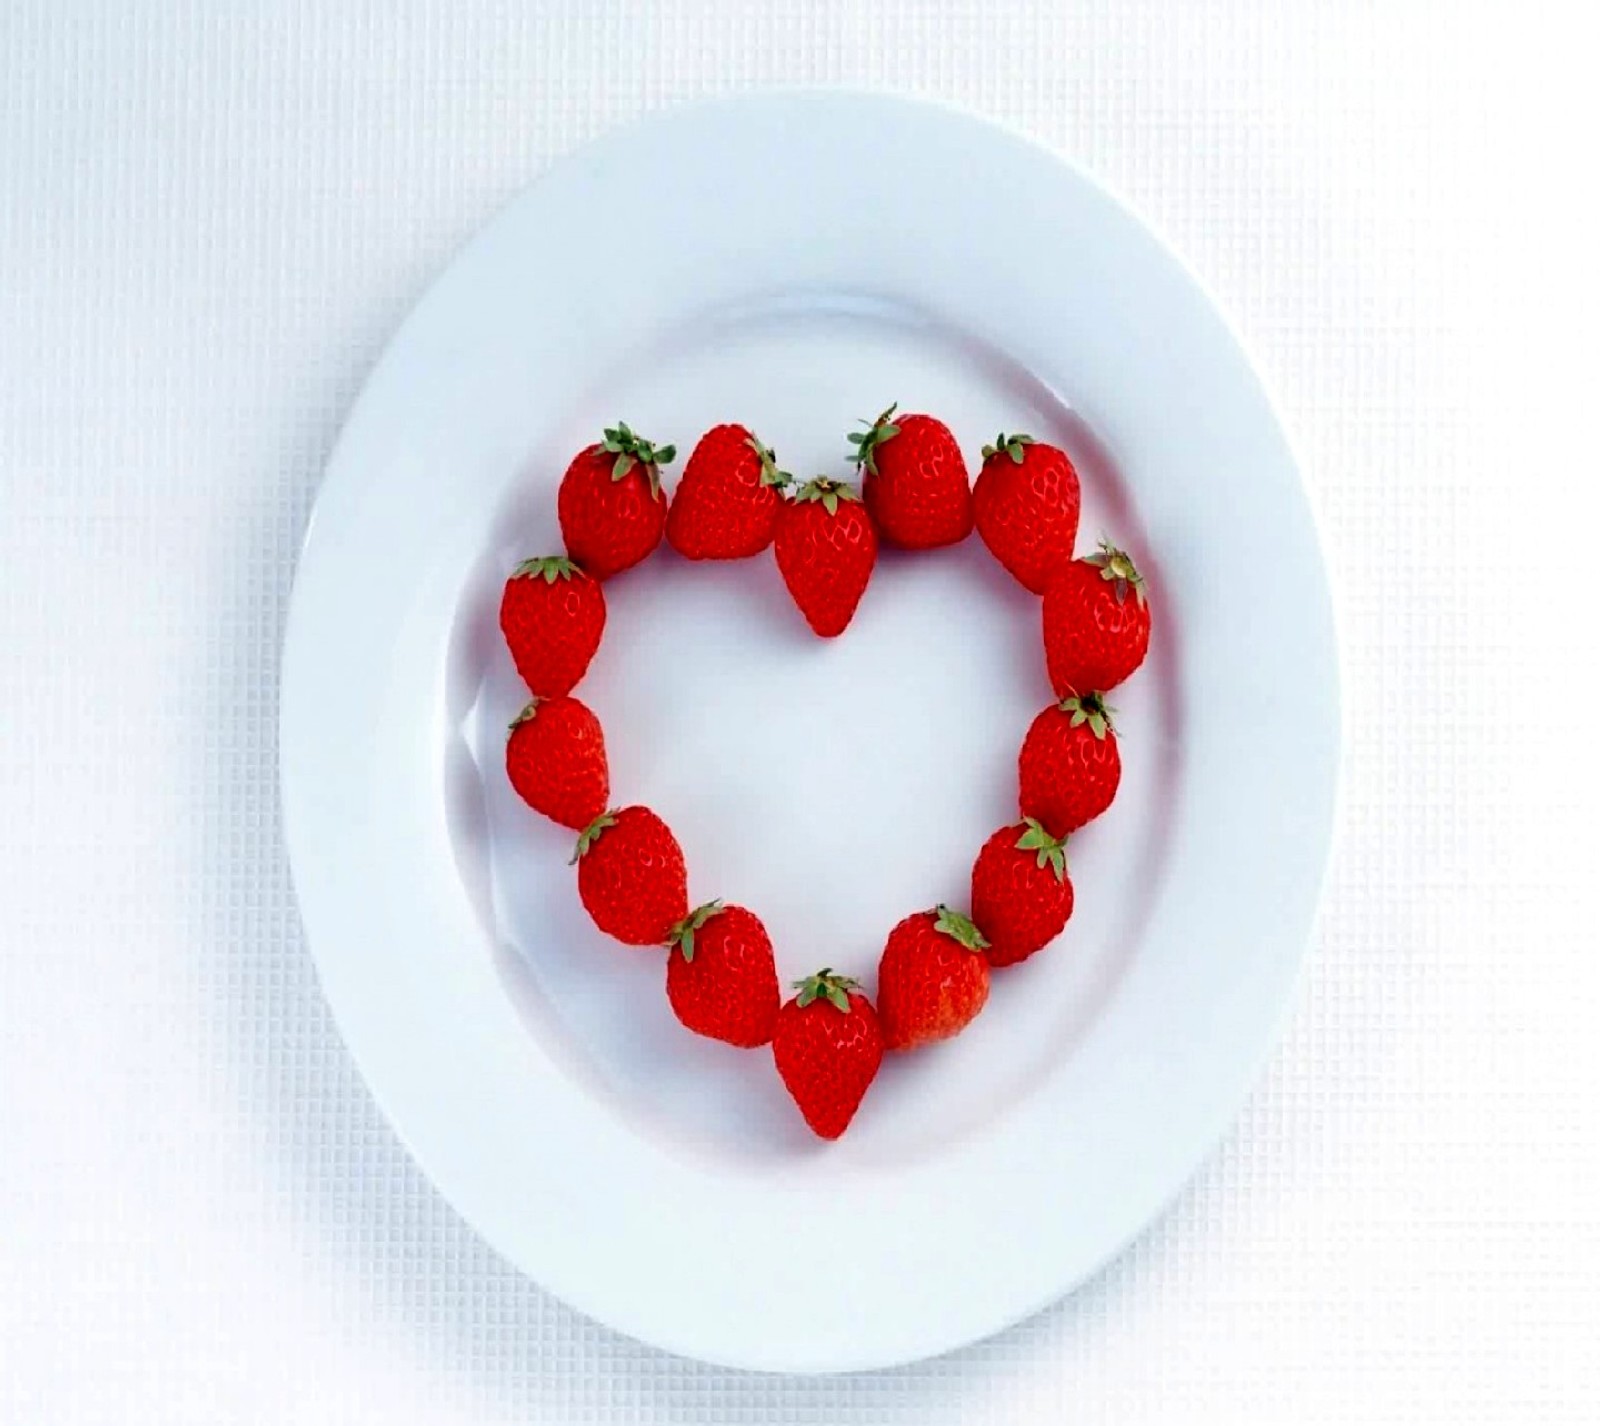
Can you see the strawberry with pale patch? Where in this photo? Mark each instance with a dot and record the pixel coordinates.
(611, 505)
(827, 1046)
(1025, 505)
(1021, 892)
(552, 615)
(1070, 766)
(826, 547)
(631, 876)
(933, 978)
(1096, 623)
(556, 760)
(722, 981)
(914, 480)
(727, 503)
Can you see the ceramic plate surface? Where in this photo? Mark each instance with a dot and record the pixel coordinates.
(795, 262)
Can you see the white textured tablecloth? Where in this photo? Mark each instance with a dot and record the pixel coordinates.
(211, 217)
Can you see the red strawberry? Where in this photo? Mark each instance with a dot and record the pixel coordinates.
(552, 615)
(631, 876)
(1021, 892)
(825, 549)
(915, 481)
(721, 979)
(726, 505)
(1025, 505)
(827, 1046)
(1069, 766)
(932, 979)
(610, 504)
(1096, 623)
(556, 759)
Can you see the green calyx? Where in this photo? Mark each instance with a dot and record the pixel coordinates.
(825, 985)
(770, 474)
(958, 928)
(550, 568)
(526, 716)
(829, 492)
(1011, 445)
(1052, 851)
(866, 442)
(1090, 708)
(1115, 565)
(682, 935)
(591, 834)
(628, 448)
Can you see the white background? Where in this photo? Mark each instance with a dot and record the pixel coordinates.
(209, 225)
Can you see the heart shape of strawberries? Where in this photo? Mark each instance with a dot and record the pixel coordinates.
(734, 502)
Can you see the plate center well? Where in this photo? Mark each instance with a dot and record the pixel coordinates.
(831, 786)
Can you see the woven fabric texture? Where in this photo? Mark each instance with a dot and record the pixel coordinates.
(210, 220)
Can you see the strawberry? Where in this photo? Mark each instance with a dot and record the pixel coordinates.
(631, 876)
(914, 481)
(552, 615)
(1025, 505)
(1021, 892)
(932, 979)
(611, 507)
(721, 978)
(826, 547)
(1069, 766)
(1096, 623)
(827, 1046)
(556, 760)
(726, 505)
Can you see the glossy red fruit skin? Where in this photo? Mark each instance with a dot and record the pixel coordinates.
(556, 760)
(608, 525)
(729, 989)
(827, 1059)
(632, 879)
(1020, 905)
(930, 987)
(1092, 641)
(552, 629)
(1066, 776)
(826, 560)
(917, 490)
(1027, 513)
(722, 509)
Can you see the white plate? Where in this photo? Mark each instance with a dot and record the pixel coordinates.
(795, 262)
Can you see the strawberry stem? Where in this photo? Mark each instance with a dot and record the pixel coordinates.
(1117, 567)
(682, 935)
(628, 447)
(591, 834)
(1090, 708)
(549, 568)
(825, 985)
(1052, 850)
(526, 715)
(770, 474)
(830, 492)
(866, 442)
(1010, 445)
(958, 928)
